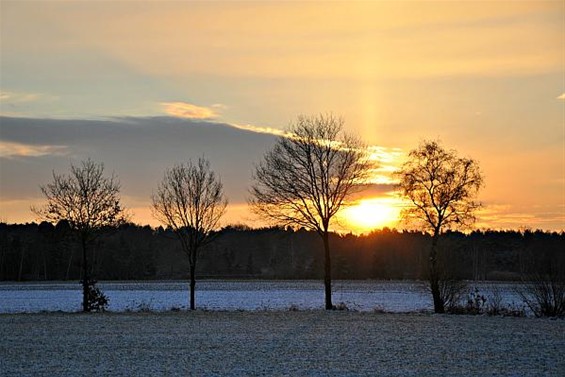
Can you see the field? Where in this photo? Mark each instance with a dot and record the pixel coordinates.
(360, 295)
(266, 343)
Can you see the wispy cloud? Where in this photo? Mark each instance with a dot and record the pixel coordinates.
(18, 97)
(23, 104)
(190, 111)
(379, 39)
(506, 216)
(562, 97)
(259, 129)
(385, 161)
(11, 149)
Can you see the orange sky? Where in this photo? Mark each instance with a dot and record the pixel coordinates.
(487, 78)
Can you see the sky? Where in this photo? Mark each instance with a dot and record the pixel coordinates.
(142, 85)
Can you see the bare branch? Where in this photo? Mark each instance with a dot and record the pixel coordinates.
(87, 199)
(191, 201)
(305, 179)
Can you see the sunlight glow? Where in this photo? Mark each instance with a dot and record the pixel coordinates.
(369, 214)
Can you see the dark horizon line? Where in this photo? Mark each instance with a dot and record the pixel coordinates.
(245, 227)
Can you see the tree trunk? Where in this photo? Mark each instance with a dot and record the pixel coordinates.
(21, 267)
(3, 249)
(327, 271)
(67, 274)
(439, 306)
(44, 265)
(85, 278)
(192, 286)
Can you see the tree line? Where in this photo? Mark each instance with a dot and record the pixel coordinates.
(33, 252)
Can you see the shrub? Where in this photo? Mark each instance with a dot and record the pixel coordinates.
(474, 305)
(544, 293)
(478, 304)
(341, 306)
(96, 300)
(293, 308)
(494, 305)
(451, 292)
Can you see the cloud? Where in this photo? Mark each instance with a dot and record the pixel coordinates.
(137, 149)
(19, 104)
(18, 97)
(14, 149)
(507, 216)
(371, 190)
(259, 130)
(376, 40)
(561, 97)
(189, 111)
(386, 161)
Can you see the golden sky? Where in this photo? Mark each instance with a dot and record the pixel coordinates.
(485, 77)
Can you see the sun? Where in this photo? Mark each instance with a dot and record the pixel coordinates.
(369, 214)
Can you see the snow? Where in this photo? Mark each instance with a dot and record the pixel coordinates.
(389, 296)
(281, 343)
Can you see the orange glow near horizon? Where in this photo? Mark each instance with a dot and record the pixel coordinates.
(369, 214)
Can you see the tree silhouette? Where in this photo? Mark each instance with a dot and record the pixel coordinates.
(306, 177)
(89, 202)
(440, 187)
(190, 200)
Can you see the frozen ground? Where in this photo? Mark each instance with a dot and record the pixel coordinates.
(279, 343)
(390, 296)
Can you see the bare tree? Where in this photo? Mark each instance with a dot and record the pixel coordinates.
(306, 178)
(190, 200)
(440, 187)
(543, 280)
(90, 203)
(544, 293)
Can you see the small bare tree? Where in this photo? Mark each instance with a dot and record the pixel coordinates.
(543, 282)
(440, 187)
(544, 294)
(306, 178)
(90, 203)
(190, 200)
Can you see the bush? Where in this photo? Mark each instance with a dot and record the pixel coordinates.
(451, 292)
(494, 305)
(544, 294)
(475, 304)
(478, 304)
(293, 308)
(96, 300)
(341, 306)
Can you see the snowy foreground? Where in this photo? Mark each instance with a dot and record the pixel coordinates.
(389, 296)
(279, 343)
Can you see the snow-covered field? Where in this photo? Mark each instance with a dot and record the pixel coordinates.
(389, 296)
(279, 343)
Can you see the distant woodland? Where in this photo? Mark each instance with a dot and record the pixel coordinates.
(131, 252)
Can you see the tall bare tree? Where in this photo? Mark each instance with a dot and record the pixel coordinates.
(307, 176)
(90, 203)
(190, 200)
(441, 188)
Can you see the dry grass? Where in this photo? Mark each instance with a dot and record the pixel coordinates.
(312, 343)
